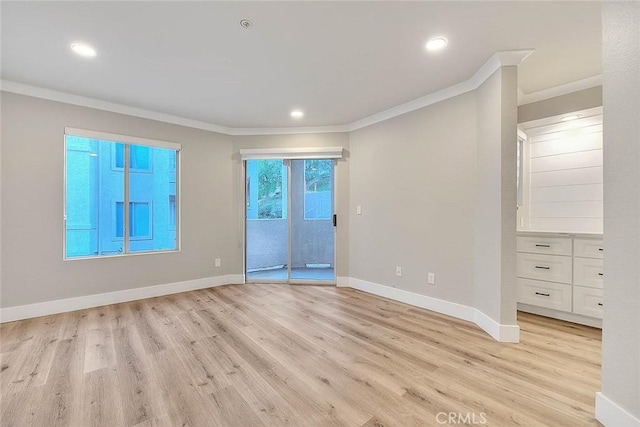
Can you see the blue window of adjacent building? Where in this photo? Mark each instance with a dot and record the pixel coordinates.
(98, 169)
(139, 157)
(139, 220)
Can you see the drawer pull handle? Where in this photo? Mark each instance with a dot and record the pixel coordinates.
(600, 304)
(542, 246)
(600, 274)
(542, 267)
(543, 294)
(601, 249)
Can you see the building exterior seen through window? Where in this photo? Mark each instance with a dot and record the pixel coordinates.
(266, 189)
(96, 174)
(317, 189)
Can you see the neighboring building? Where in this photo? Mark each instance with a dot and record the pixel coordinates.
(95, 195)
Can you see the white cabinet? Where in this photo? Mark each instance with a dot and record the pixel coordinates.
(545, 294)
(588, 272)
(553, 268)
(588, 248)
(587, 301)
(544, 245)
(561, 273)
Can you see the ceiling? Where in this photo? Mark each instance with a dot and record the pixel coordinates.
(337, 61)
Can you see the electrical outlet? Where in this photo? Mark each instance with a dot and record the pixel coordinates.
(399, 271)
(431, 279)
(217, 262)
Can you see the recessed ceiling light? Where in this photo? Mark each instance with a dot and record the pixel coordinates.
(296, 114)
(436, 43)
(83, 50)
(572, 117)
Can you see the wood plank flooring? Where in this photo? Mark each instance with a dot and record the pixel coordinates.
(271, 355)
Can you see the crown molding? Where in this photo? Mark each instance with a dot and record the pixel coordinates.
(497, 60)
(288, 131)
(552, 92)
(83, 101)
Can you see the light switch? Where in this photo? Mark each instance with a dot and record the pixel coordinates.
(358, 210)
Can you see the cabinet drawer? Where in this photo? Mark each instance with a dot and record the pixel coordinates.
(588, 272)
(588, 248)
(553, 268)
(544, 294)
(544, 245)
(587, 301)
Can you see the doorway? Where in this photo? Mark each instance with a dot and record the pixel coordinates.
(290, 221)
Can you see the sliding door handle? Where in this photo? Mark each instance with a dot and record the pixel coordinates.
(335, 220)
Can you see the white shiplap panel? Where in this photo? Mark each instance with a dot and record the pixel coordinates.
(567, 161)
(567, 177)
(583, 123)
(567, 209)
(575, 144)
(567, 225)
(566, 133)
(567, 193)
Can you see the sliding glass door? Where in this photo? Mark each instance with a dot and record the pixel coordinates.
(267, 221)
(312, 231)
(290, 229)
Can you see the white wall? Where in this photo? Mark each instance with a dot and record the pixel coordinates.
(621, 333)
(32, 205)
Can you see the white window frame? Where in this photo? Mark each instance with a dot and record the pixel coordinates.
(128, 141)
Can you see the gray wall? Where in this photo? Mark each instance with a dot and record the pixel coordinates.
(495, 214)
(575, 101)
(341, 186)
(621, 333)
(414, 177)
(32, 204)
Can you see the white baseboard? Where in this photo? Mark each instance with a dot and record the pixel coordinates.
(501, 333)
(612, 415)
(562, 315)
(9, 314)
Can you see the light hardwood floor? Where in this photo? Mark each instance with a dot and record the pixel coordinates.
(247, 355)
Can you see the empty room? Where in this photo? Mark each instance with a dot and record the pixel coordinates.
(314, 213)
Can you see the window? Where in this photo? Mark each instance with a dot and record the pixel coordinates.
(106, 173)
(267, 199)
(317, 189)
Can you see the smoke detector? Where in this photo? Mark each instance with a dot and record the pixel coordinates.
(246, 24)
